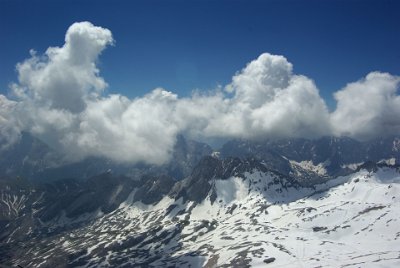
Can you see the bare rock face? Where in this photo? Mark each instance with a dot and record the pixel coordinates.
(152, 189)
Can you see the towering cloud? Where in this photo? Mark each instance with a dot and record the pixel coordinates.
(277, 103)
(267, 101)
(59, 99)
(65, 77)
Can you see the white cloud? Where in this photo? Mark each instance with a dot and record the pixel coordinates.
(261, 80)
(139, 130)
(9, 128)
(368, 108)
(59, 100)
(65, 76)
(296, 111)
(268, 101)
(275, 103)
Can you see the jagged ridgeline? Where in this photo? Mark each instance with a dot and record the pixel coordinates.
(292, 202)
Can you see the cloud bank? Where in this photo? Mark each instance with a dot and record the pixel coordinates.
(368, 108)
(59, 99)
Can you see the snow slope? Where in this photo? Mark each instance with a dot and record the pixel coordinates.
(260, 219)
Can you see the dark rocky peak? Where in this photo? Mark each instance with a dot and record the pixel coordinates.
(73, 197)
(369, 166)
(265, 151)
(197, 185)
(104, 180)
(341, 150)
(379, 149)
(372, 166)
(209, 167)
(60, 186)
(186, 155)
(335, 152)
(238, 167)
(190, 148)
(153, 188)
(232, 166)
(297, 149)
(27, 156)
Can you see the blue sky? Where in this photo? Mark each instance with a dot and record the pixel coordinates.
(183, 45)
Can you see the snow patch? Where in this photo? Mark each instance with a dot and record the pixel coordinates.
(390, 161)
(352, 166)
(308, 165)
(232, 189)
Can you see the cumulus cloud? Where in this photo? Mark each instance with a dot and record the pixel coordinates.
(139, 130)
(59, 99)
(277, 103)
(64, 77)
(368, 108)
(267, 101)
(9, 129)
(261, 80)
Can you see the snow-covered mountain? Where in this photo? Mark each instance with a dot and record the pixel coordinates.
(309, 160)
(227, 213)
(339, 152)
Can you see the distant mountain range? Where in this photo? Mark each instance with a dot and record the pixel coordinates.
(32, 159)
(302, 159)
(293, 202)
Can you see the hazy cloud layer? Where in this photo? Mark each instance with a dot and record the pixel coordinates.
(58, 98)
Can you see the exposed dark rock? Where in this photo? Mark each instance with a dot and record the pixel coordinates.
(269, 260)
(319, 228)
(153, 189)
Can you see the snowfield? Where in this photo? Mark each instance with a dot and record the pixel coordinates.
(258, 220)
